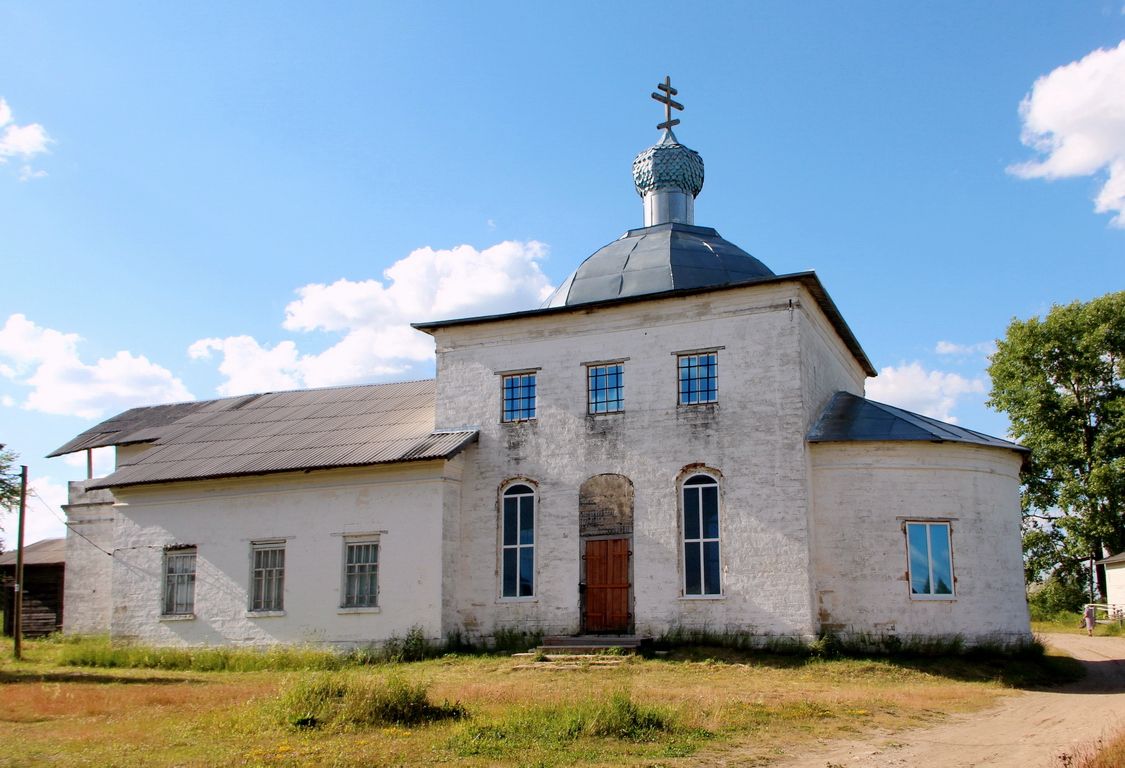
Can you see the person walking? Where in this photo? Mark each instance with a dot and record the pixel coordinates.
(1088, 619)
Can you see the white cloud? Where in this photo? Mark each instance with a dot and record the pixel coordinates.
(965, 350)
(27, 173)
(44, 515)
(47, 361)
(104, 461)
(1075, 116)
(22, 141)
(931, 393)
(374, 317)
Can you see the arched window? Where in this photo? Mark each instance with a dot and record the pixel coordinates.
(701, 535)
(517, 542)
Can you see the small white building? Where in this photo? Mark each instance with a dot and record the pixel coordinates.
(678, 438)
(1115, 579)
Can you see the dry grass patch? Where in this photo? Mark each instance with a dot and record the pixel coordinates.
(677, 711)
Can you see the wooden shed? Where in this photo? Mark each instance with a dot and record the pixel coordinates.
(44, 564)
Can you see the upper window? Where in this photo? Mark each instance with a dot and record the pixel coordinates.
(179, 581)
(701, 536)
(517, 546)
(519, 397)
(931, 560)
(268, 577)
(699, 378)
(361, 573)
(606, 388)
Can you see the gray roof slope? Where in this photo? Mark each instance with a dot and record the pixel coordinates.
(136, 425)
(1113, 559)
(287, 431)
(848, 417)
(656, 259)
(45, 552)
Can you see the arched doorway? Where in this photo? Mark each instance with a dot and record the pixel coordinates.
(605, 525)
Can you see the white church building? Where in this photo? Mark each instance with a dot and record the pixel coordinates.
(677, 439)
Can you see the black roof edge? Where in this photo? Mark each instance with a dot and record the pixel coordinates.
(809, 279)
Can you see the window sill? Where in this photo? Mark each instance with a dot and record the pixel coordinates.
(359, 609)
(703, 597)
(941, 598)
(507, 600)
(177, 617)
(263, 614)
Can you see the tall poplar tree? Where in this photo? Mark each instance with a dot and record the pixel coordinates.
(1061, 380)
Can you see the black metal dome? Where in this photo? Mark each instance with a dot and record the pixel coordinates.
(665, 257)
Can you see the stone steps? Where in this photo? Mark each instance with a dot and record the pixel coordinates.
(590, 645)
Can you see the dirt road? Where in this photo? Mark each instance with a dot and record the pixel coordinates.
(1026, 730)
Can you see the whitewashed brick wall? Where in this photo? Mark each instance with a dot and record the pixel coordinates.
(405, 504)
(754, 436)
(863, 494)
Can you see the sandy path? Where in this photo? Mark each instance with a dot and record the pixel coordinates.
(1026, 730)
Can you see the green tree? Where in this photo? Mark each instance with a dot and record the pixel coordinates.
(9, 483)
(1061, 380)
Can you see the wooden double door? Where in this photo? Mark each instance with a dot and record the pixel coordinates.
(608, 601)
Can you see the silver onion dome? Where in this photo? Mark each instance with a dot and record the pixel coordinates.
(666, 165)
(668, 176)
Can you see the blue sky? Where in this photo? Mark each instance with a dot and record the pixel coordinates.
(200, 199)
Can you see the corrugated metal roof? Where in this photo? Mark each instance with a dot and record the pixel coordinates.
(45, 552)
(848, 417)
(136, 425)
(278, 432)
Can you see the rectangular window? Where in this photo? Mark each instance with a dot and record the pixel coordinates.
(606, 388)
(179, 581)
(519, 397)
(701, 536)
(931, 560)
(361, 573)
(267, 576)
(699, 378)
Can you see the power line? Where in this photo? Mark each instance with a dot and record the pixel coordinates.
(69, 526)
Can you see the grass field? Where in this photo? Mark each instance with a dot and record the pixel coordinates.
(692, 707)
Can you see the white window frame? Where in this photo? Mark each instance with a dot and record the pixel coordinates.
(349, 601)
(517, 546)
(702, 540)
(521, 378)
(267, 579)
(174, 580)
(929, 526)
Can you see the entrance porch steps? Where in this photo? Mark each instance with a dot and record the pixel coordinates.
(591, 645)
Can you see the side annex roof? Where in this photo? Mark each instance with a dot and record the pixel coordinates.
(276, 432)
(850, 418)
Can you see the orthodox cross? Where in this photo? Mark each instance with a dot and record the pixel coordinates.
(665, 98)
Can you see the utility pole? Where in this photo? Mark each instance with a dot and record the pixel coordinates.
(17, 622)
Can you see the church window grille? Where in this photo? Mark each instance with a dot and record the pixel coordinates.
(699, 378)
(930, 558)
(701, 536)
(518, 397)
(517, 542)
(179, 581)
(268, 576)
(606, 387)
(361, 573)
